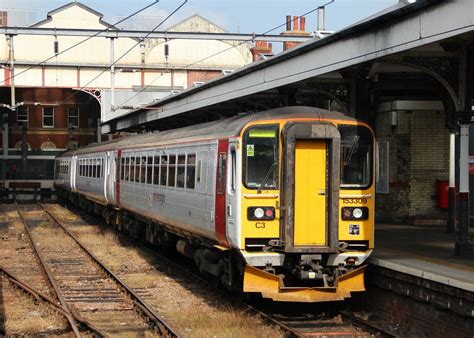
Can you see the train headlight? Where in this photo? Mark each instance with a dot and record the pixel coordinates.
(357, 213)
(260, 213)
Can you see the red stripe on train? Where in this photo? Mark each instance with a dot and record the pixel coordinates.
(220, 207)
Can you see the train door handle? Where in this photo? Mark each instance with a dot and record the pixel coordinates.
(229, 210)
(322, 192)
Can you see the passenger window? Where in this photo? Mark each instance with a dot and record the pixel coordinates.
(156, 173)
(172, 171)
(199, 169)
(143, 170)
(125, 170)
(132, 169)
(164, 169)
(191, 171)
(221, 173)
(181, 171)
(137, 169)
(122, 169)
(149, 169)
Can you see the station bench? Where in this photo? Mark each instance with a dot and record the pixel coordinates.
(29, 187)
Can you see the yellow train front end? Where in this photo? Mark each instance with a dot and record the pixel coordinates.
(307, 208)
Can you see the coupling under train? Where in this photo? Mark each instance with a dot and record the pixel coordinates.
(279, 202)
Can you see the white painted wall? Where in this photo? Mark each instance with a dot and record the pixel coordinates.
(93, 56)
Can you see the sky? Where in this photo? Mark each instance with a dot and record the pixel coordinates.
(243, 16)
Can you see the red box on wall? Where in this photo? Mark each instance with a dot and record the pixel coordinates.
(442, 187)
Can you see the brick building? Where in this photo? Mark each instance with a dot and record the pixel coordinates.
(59, 99)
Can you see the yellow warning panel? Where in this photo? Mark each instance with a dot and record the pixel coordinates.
(270, 286)
(310, 193)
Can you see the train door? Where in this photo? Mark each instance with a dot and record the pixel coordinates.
(109, 177)
(73, 173)
(311, 187)
(232, 206)
(310, 193)
(221, 193)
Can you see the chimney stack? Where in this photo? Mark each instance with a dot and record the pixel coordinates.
(261, 49)
(321, 12)
(294, 27)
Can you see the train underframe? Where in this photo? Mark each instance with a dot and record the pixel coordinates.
(301, 277)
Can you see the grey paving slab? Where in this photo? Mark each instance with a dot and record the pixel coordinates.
(425, 252)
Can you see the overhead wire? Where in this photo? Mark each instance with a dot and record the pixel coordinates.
(79, 43)
(124, 54)
(220, 52)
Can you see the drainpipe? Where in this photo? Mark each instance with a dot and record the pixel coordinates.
(451, 228)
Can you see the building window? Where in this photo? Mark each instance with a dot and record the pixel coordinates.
(48, 145)
(18, 145)
(48, 117)
(22, 116)
(73, 117)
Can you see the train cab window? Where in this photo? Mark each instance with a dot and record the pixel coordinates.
(191, 171)
(149, 169)
(181, 171)
(356, 157)
(156, 172)
(172, 171)
(164, 169)
(260, 157)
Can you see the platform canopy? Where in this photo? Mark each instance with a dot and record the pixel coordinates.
(401, 28)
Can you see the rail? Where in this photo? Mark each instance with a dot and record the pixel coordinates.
(154, 318)
(71, 317)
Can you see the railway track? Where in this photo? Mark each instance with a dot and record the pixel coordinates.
(84, 287)
(338, 323)
(297, 323)
(38, 303)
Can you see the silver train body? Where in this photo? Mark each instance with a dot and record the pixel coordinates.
(192, 186)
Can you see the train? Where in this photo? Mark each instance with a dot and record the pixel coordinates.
(278, 203)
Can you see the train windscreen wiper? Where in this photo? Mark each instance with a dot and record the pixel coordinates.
(267, 176)
(352, 150)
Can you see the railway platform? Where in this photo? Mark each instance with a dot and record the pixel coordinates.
(426, 252)
(414, 276)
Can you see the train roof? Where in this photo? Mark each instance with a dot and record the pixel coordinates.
(216, 129)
